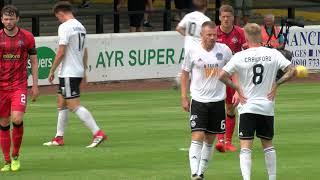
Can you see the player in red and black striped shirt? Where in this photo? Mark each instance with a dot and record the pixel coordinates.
(16, 46)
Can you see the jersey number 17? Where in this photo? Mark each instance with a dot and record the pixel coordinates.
(81, 37)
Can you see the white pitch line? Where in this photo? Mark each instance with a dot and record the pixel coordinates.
(183, 149)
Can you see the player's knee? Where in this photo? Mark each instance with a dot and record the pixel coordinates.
(5, 122)
(231, 112)
(61, 108)
(198, 136)
(230, 109)
(209, 138)
(266, 143)
(17, 120)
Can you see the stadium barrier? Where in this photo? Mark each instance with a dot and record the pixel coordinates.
(149, 55)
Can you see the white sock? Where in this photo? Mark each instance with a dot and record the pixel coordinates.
(206, 154)
(271, 162)
(88, 120)
(194, 156)
(62, 121)
(245, 163)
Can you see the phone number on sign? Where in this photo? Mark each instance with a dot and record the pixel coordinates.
(314, 63)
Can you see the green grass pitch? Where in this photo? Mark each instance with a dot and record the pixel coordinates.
(146, 130)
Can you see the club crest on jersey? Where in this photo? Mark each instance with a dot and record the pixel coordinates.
(20, 43)
(234, 40)
(219, 56)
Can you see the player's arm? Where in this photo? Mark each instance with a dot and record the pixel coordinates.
(225, 78)
(34, 71)
(181, 30)
(32, 52)
(57, 61)
(85, 63)
(184, 90)
(288, 73)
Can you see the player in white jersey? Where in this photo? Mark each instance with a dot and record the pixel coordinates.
(207, 111)
(257, 69)
(190, 27)
(72, 57)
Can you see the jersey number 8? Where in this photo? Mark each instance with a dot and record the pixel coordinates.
(257, 74)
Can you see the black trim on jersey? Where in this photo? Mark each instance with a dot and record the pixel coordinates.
(32, 51)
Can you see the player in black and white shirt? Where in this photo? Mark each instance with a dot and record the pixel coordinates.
(207, 112)
(257, 69)
(72, 57)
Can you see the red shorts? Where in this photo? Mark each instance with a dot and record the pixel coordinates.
(230, 92)
(13, 100)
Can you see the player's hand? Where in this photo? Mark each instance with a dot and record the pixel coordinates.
(84, 81)
(34, 93)
(242, 98)
(273, 92)
(235, 99)
(245, 46)
(51, 77)
(185, 103)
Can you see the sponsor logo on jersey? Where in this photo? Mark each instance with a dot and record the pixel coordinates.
(219, 56)
(10, 56)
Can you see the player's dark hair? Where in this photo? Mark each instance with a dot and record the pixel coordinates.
(10, 10)
(209, 24)
(200, 5)
(64, 6)
(226, 8)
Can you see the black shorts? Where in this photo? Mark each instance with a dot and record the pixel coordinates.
(208, 117)
(69, 87)
(249, 124)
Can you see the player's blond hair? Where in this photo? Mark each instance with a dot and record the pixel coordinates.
(253, 32)
(209, 24)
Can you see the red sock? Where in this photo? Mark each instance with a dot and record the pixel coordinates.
(5, 142)
(230, 123)
(220, 137)
(17, 134)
